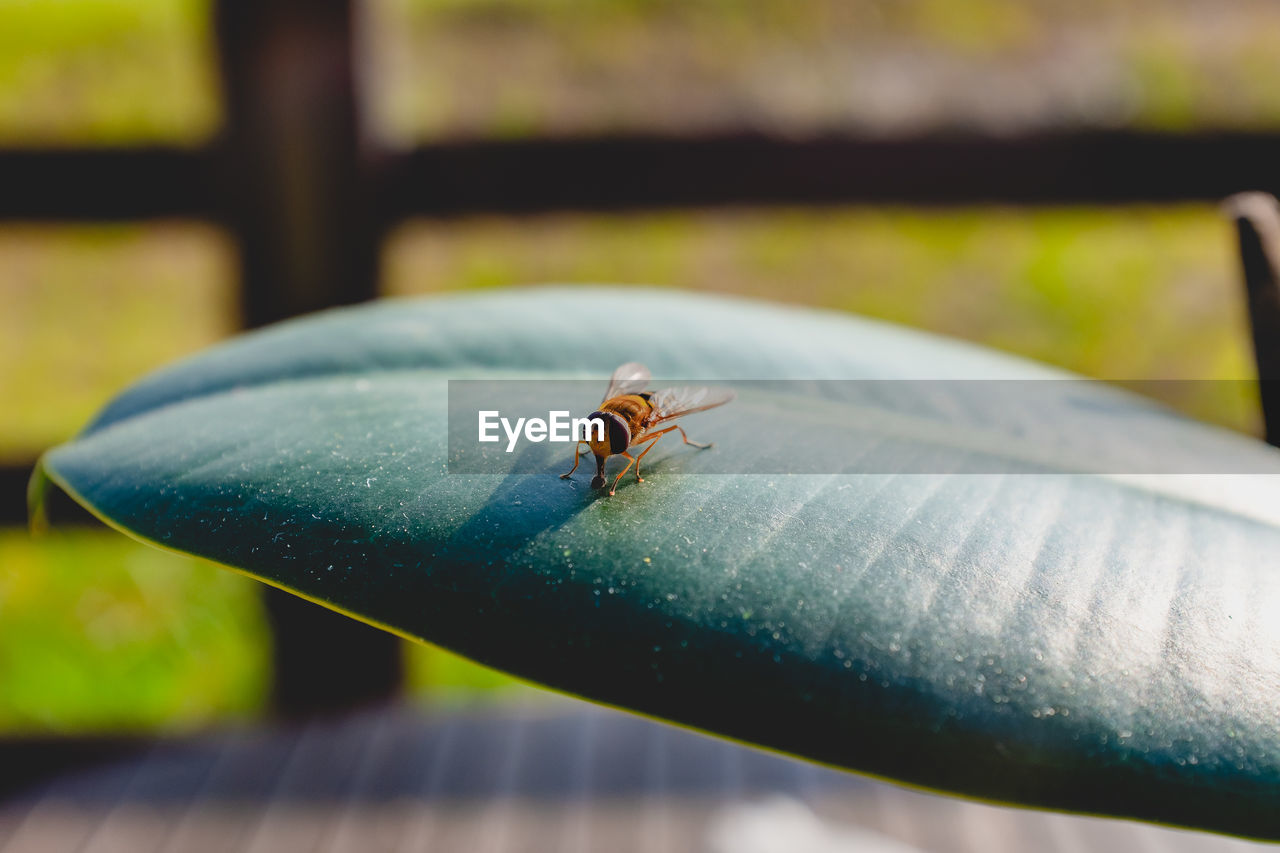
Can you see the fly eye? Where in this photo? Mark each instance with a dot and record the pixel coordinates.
(619, 435)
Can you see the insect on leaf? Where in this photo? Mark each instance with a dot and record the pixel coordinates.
(1078, 641)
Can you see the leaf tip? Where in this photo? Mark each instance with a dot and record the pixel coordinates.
(37, 493)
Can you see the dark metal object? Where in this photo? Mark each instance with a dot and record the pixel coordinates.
(1257, 219)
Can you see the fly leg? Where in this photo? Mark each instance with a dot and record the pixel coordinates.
(631, 461)
(577, 449)
(696, 444)
(651, 437)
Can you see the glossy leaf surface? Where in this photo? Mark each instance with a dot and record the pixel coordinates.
(1104, 644)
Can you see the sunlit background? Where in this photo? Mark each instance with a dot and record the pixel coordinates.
(100, 633)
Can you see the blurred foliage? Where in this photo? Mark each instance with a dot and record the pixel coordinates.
(106, 71)
(459, 68)
(88, 309)
(115, 71)
(1122, 294)
(440, 678)
(99, 631)
(96, 631)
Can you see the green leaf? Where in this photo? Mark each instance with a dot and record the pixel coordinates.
(1082, 642)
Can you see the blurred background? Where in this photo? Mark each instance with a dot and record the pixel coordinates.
(100, 634)
(1038, 176)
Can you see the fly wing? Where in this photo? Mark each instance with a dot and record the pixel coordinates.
(630, 378)
(685, 400)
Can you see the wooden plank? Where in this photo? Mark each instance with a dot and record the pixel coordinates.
(275, 184)
(295, 200)
(106, 184)
(630, 172)
(295, 190)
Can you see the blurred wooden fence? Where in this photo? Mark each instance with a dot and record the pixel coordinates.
(307, 198)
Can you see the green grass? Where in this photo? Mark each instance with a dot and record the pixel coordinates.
(123, 71)
(436, 677)
(106, 71)
(87, 310)
(100, 632)
(1122, 294)
(561, 67)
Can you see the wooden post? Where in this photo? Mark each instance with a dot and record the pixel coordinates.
(1257, 219)
(296, 197)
